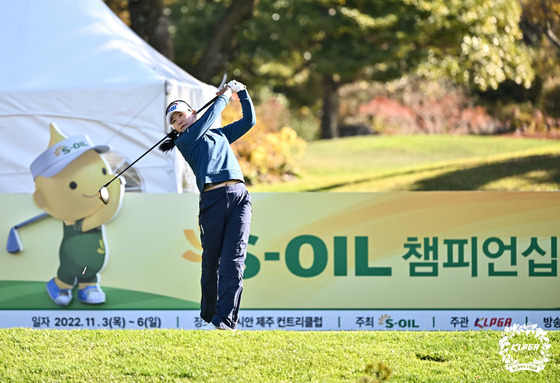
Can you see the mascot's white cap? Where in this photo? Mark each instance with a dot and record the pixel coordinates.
(61, 154)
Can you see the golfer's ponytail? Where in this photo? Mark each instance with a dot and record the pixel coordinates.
(169, 143)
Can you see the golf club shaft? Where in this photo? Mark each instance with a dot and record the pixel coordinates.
(31, 220)
(159, 142)
(207, 104)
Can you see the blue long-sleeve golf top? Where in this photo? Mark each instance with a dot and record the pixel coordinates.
(208, 151)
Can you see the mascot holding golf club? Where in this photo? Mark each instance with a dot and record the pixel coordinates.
(67, 176)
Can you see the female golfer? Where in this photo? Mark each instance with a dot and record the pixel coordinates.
(225, 205)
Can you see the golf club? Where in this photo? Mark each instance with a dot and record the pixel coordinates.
(103, 193)
(14, 245)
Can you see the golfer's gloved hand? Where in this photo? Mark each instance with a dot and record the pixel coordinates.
(236, 86)
(225, 90)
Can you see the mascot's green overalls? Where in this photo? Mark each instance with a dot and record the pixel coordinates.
(82, 254)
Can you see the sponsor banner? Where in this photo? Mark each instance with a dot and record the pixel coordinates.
(312, 252)
(304, 320)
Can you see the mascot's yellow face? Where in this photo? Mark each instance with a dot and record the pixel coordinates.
(71, 194)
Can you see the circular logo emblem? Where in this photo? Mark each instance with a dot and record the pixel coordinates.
(524, 347)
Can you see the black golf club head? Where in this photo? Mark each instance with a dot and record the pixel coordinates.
(103, 195)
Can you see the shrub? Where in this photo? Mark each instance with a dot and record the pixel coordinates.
(387, 115)
(306, 124)
(413, 106)
(524, 118)
(269, 151)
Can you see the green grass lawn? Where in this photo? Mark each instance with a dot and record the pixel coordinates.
(422, 162)
(259, 356)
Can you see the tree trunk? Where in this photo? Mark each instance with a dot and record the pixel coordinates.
(547, 29)
(329, 120)
(149, 22)
(218, 50)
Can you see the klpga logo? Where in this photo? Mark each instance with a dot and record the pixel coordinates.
(386, 321)
(489, 322)
(524, 347)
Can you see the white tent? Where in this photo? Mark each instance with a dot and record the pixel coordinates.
(78, 65)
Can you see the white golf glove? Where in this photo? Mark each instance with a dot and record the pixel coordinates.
(236, 86)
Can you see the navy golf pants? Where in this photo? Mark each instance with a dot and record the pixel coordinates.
(224, 219)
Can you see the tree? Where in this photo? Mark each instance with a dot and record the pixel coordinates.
(541, 18)
(333, 42)
(207, 34)
(222, 41)
(147, 19)
(149, 22)
(307, 49)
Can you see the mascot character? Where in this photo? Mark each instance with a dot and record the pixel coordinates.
(67, 178)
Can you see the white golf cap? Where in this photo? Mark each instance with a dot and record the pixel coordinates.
(59, 155)
(176, 106)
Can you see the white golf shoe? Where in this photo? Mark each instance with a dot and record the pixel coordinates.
(92, 295)
(61, 297)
